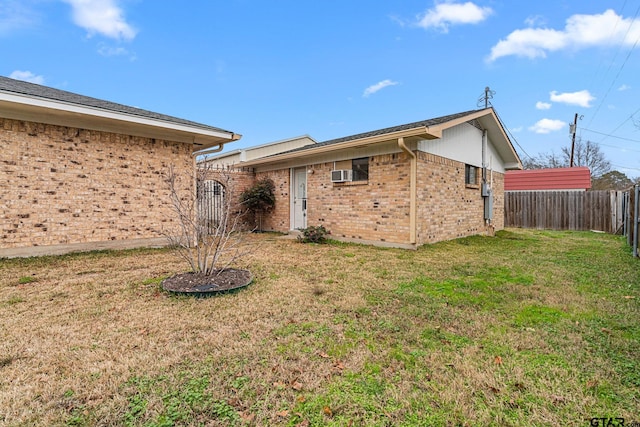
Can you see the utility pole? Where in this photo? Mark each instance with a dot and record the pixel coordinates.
(573, 129)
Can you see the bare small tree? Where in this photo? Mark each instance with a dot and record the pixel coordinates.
(585, 154)
(208, 239)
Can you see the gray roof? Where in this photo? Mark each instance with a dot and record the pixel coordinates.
(423, 123)
(43, 92)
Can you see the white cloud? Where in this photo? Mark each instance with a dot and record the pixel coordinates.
(535, 20)
(516, 130)
(378, 86)
(102, 17)
(107, 51)
(580, 31)
(581, 98)
(449, 13)
(547, 126)
(14, 15)
(27, 76)
(542, 105)
(624, 87)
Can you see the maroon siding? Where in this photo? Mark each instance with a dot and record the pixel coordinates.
(577, 178)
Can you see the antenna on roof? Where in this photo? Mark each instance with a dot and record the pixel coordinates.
(485, 97)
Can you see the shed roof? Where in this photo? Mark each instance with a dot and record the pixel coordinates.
(32, 102)
(576, 178)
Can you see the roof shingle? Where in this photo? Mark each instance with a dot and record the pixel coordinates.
(413, 125)
(20, 87)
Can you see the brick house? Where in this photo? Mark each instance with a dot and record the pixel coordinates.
(82, 173)
(403, 186)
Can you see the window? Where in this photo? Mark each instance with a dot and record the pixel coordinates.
(360, 169)
(470, 175)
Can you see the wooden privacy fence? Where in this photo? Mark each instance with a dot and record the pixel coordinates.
(564, 210)
(632, 218)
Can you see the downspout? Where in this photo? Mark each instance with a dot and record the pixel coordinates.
(194, 165)
(484, 156)
(413, 186)
(486, 190)
(209, 150)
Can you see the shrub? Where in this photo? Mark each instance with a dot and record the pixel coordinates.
(313, 234)
(259, 199)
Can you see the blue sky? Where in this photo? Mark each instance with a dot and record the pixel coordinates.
(279, 69)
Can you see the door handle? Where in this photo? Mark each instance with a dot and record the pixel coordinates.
(304, 204)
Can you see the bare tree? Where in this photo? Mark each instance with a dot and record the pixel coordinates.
(544, 160)
(585, 154)
(209, 243)
(588, 154)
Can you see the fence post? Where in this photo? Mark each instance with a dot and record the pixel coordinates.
(636, 220)
(627, 213)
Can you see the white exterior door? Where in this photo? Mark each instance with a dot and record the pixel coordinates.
(299, 198)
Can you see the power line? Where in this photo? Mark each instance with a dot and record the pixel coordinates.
(613, 31)
(511, 135)
(625, 167)
(621, 67)
(611, 136)
(623, 122)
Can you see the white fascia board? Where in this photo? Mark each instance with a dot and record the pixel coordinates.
(362, 142)
(105, 114)
(269, 144)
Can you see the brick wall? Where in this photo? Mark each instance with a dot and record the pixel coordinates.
(61, 185)
(447, 208)
(498, 200)
(278, 219)
(234, 181)
(377, 210)
(238, 180)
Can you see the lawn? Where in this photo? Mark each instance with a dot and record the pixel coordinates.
(525, 328)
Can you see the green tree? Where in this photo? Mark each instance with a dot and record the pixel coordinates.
(613, 180)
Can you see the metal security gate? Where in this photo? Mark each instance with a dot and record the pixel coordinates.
(211, 204)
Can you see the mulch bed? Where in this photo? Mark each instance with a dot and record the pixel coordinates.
(200, 284)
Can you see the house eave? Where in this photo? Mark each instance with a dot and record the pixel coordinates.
(512, 166)
(53, 112)
(421, 132)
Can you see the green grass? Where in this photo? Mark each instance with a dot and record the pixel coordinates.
(26, 279)
(525, 328)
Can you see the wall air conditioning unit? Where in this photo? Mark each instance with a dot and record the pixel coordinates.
(342, 175)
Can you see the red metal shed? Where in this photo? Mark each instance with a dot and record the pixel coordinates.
(556, 179)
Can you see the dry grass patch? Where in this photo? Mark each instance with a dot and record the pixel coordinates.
(528, 328)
